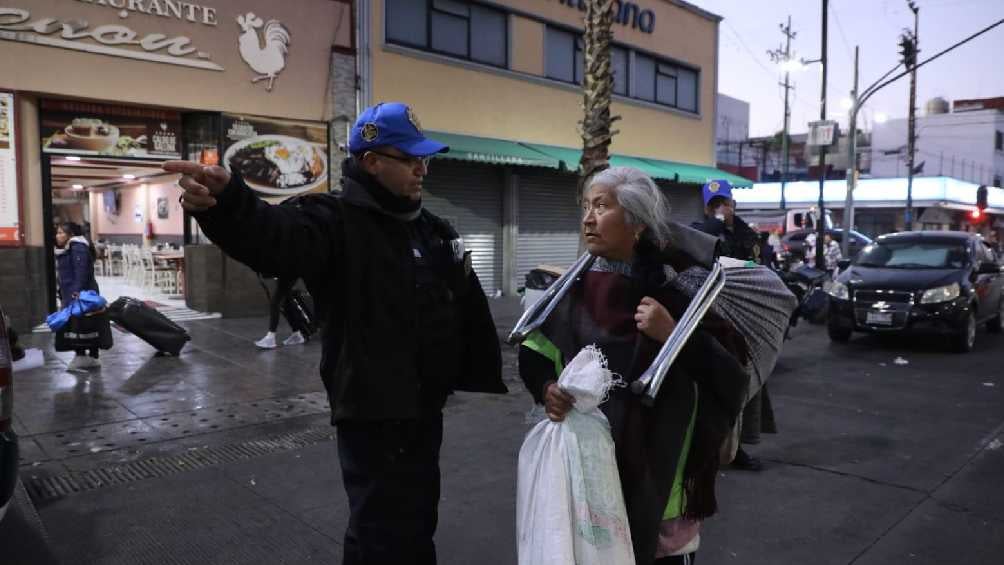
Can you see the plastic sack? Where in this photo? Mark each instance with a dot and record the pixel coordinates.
(569, 504)
(87, 302)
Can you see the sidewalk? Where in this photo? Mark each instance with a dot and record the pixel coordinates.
(875, 464)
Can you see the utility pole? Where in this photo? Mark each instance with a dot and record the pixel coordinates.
(852, 164)
(910, 55)
(821, 220)
(778, 56)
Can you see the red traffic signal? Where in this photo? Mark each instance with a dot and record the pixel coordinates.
(976, 215)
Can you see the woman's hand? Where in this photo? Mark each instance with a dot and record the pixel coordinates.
(557, 402)
(654, 320)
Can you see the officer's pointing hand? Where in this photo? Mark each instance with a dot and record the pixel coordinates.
(201, 184)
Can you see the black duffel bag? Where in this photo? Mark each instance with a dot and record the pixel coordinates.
(89, 331)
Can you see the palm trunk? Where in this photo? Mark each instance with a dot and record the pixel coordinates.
(597, 89)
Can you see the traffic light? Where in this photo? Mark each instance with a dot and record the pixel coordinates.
(908, 49)
(981, 198)
(976, 216)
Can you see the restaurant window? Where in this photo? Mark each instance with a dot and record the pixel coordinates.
(465, 30)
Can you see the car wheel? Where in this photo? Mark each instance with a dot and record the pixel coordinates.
(838, 333)
(965, 336)
(996, 324)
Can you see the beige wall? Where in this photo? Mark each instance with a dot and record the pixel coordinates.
(145, 196)
(299, 90)
(452, 97)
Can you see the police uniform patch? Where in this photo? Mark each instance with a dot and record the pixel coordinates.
(713, 187)
(370, 132)
(414, 119)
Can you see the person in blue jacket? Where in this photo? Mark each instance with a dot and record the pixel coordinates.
(75, 269)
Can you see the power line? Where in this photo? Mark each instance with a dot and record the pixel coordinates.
(840, 30)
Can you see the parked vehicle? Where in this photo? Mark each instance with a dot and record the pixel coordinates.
(8, 439)
(793, 244)
(783, 221)
(930, 281)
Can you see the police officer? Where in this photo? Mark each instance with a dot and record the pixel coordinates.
(407, 322)
(738, 239)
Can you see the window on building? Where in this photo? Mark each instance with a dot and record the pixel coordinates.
(999, 141)
(664, 83)
(997, 181)
(564, 59)
(457, 28)
(619, 63)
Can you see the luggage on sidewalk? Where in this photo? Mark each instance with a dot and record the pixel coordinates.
(149, 325)
(86, 331)
(299, 313)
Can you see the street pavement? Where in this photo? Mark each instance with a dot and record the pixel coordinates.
(889, 452)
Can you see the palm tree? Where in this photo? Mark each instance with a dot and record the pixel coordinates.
(597, 88)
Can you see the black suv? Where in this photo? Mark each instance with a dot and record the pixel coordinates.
(8, 440)
(936, 281)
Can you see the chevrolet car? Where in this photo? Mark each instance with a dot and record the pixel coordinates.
(929, 281)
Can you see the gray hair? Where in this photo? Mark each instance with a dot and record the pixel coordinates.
(643, 202)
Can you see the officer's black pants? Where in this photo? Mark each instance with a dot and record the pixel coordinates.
(391, 475)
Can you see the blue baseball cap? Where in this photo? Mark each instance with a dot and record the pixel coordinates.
(716, 188)
(393, 124)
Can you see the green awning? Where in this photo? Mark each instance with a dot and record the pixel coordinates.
(493, 151)
(502, 152)
(655, 168)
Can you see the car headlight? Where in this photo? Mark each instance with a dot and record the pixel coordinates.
(941, 294)
(839, 290)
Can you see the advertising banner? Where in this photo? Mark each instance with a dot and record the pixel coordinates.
(10, 217)
(103, 129)
(277, 158)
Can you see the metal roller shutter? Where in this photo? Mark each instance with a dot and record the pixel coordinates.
(685, 201)
(549, 221)
(469, 196)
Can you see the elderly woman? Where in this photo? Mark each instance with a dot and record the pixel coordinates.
(626, 304)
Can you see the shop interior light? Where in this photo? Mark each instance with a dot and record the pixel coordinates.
(78, 187)
(72, 158)
(129, 177)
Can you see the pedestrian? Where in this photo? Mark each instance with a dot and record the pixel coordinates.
(738, 241)
(282, 293)
(831, 254)
(406, 321)
(75, 269)
(667, 456)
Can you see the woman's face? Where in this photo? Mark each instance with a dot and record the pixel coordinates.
(61, 237)
(605, 226)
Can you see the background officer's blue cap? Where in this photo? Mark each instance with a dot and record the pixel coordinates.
(393, 124)
(715, 188)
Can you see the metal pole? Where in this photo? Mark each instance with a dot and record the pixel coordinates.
(852, 165)
(787, 115)
(821, 220)
(912, 135)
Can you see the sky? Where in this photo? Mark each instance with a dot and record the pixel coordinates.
(751, 27)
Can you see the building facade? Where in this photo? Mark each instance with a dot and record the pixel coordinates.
(500, 82)
(966, 143)
(95, 95)
(98, 94)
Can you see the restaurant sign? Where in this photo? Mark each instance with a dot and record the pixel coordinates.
(117, 40)
(104, 129)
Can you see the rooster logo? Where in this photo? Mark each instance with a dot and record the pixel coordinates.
(268, 60)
